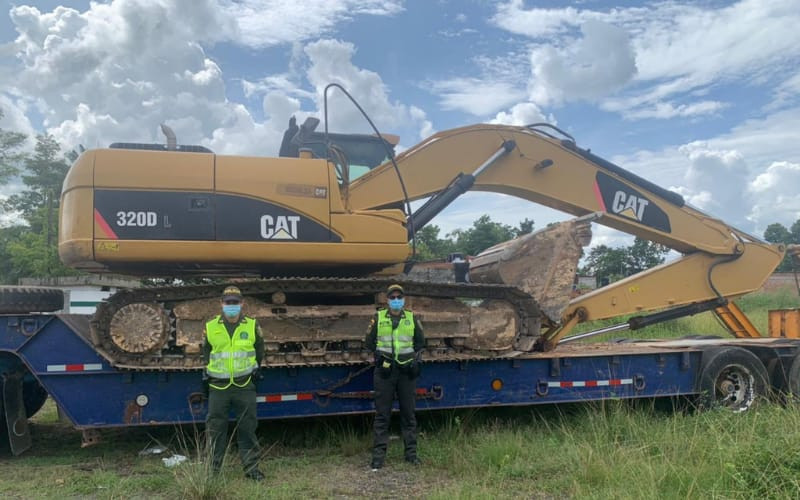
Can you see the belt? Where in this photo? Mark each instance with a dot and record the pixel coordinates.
(222, 381)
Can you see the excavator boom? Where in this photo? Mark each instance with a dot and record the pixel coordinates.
(719, 262)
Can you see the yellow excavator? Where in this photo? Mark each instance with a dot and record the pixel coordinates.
(313, 237)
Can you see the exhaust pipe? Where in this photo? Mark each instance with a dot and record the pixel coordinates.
(172, 141)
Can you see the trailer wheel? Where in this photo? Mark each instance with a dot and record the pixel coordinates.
(33, 396)
(786, 378)
(22, 300)
(731, 378)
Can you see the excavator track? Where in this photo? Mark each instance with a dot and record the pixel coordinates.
(305, 333)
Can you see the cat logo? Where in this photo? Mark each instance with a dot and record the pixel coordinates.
(615, 197)
(281, 227)
(629, 205)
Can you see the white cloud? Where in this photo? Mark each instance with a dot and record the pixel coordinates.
(14, 118)
(475, 96)
(679, 48)
(592, 67)
(665, 110)
(263, 23)
(746, 177)
(724, 175)
(740, 39)
(114, 73)
(524, 113)
(787, 92)
(776, 194)
(331, 62)
(536, 22)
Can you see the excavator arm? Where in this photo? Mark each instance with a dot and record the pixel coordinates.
(718, 262)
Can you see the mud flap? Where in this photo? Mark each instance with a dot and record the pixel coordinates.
(19, 436)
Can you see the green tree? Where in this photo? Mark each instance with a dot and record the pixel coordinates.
(8, 268)
(483, 234)
(795, 230)
(43, 176)
(10, 153)
(611, 264)
(525, 227)
(30, 247)
(32, 255)
(644, 254)
(777, 233)
(606, 264)
(430, 246)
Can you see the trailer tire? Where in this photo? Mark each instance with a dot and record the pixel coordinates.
(785, 378)
(33, 396)
(23, 300)
(731, 378)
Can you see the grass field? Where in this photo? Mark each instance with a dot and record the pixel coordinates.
(612, 450)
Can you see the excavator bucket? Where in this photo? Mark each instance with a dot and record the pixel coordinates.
(543, 264)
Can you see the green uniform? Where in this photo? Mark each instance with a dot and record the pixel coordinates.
(233, 353)
(395, 339)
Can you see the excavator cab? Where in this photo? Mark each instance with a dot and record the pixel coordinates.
(351, 154)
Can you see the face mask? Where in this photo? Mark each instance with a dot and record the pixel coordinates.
(231, 310)
(397, 304)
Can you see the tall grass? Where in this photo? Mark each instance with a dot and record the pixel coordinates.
(606, 450)
(615, 450)
(196, 477)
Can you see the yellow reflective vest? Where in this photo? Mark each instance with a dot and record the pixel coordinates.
(396, 343)
(233, 356)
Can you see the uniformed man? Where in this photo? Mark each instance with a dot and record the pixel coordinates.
(232, 352)
(395, 336)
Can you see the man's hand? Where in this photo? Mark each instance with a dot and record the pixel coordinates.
(257, 375)
(205, 386)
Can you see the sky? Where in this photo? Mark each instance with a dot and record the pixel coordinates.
(701, 97)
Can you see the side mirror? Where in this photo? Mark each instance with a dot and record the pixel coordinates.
(305, 131)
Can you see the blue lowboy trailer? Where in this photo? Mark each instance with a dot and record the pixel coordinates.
(51, 355)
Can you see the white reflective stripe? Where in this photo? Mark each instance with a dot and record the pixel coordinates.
(79, 367)
(406, 350)
(591, 383)
(224, 375)
(219, 355)
(405, 338)
(244, 354)
(281, 398)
